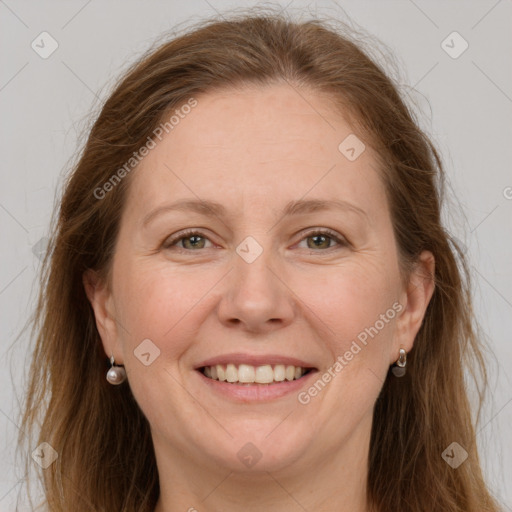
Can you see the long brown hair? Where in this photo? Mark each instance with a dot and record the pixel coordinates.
(105, 454)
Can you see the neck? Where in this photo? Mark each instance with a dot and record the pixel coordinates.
(329, 480)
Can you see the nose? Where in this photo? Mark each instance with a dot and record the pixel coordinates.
(256, 297)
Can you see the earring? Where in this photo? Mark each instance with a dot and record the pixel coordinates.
(117, 374)
(399, 367)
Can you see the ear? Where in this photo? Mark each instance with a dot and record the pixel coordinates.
(415, 300)
(102, 303)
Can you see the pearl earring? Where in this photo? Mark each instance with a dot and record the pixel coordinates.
(400, 364)
(117, 374)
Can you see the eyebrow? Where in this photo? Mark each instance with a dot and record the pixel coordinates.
(296, 207)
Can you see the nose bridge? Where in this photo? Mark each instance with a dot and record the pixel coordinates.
(253, 266)
(253, 274)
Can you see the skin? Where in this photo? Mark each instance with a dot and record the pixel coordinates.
(254, 149)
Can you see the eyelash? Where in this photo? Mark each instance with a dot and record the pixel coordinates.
(169, 243)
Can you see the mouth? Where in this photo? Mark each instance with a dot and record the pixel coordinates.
(245, 378)
(250, 375)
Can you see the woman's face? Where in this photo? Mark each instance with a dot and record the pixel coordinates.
(257, 284)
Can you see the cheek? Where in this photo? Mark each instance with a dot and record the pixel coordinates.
(163, 305)
(159, 303)
(358, 311)
(347, 300)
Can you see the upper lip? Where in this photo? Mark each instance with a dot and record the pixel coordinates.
(254, 360)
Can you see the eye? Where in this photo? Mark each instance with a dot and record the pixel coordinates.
(321, 239)
(191, 240)
(194, 240)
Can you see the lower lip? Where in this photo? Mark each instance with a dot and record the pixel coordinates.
(257, 392)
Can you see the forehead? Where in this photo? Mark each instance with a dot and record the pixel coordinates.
(262, 145)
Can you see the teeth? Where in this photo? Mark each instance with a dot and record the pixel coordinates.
(221, 373)
(279, 372)
(231, 373)
(248, 374)
(264, 374)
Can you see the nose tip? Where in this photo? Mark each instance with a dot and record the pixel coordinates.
(254, 297)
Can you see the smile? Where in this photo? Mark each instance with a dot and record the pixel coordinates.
(247, 374)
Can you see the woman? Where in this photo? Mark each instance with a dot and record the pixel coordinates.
(250, 250)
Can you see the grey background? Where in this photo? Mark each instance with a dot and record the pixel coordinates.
(464, 103)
